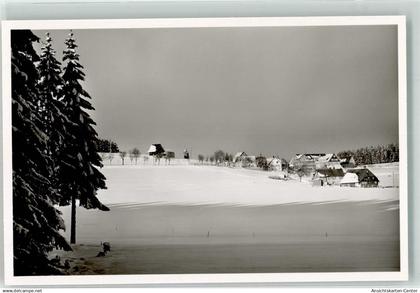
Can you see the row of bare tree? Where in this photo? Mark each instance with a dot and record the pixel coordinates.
(133, 155)
(217, 158)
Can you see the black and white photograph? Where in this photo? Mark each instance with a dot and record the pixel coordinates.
(254, 148)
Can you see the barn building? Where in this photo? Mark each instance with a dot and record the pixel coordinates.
(156, 149)
(359, 178)
(328, 176)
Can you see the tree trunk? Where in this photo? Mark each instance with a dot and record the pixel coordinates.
(73, 220)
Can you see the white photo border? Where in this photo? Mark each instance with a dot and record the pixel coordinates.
(7, 26)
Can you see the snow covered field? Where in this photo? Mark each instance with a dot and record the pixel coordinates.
(388, 174)
(190, 185)
(184, 218)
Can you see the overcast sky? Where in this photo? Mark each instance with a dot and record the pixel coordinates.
(275, 91)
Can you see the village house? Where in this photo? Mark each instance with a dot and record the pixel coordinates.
(305, 162)
(241, 159)
(156, 149)
(350, 180)
(249, 161)
(328, 176)
(359, 178)
(239, 156)
(328, 161)
(348, 162)
(277, 164)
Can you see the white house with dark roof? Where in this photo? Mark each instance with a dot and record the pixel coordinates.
(365, 178)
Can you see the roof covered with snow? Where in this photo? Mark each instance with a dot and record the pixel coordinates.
(239, 155)
(312, 157)
(273, 161)
(328, 158)
(349, 178)
(155, 148)
(364, 175)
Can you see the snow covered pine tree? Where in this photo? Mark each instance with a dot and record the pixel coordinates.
(81, 178)
(36, 223)
(54, 121)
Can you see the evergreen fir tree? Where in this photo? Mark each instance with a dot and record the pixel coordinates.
(36, 223)
(81, 177)
(54, 122)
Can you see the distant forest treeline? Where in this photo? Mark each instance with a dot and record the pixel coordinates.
(373, 155)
